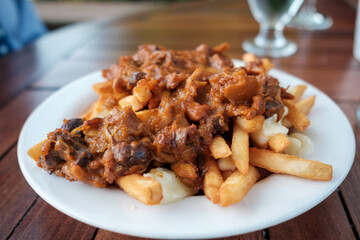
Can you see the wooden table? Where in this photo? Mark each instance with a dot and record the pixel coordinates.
(29, 76)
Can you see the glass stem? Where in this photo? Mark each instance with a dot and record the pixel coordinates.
(270, 37)
(310, 6)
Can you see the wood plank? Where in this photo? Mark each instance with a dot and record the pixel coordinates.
(103, 234)
(326, 221)
(20, 68)
(16, 195)
(14, 115)
(45, 222)
(68, 71)
(350, 187)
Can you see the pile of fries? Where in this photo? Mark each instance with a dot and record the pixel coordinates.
(235, 169)
(272, 144)
(230, 178)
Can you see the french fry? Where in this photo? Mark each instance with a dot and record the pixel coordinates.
(237, 185)
(267, 64)
(297, 92)
(219, 148)
(226, 164)
(185, 170)
(142, 92)
(288, 164)
(102, 88)
(296, 117)
(226, 174)
(251, 125)
(103, 106)
(172, 188)
(167, 157)
(240, 149)
(286, 123)
(35, 151)
(132, 101)
(279, 142)
(249, 57)
(143, 188)
(147, 114)
(212, 181)
(89, 112)
(306, 104)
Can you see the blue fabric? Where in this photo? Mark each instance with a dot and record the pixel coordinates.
(19, 25)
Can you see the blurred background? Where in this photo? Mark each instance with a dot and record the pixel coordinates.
(58, 13)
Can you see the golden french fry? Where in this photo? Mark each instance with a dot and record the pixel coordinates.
(249, 57)
(132, 101)
(306, 104)
(267, 64)
(225, 164)
(147, 114)
(297, 92)
(296, 117)
(167, 157)
(279, 142)
(142, 92)
(251, 125)
(143, 188)
(226, 174)
(286, 123)
(219, 148)
(102, 88)
(103, 106)
(89, 112)
(240, 149)
(172, 188)
(237, 185)
(185, 170)
(293, 165)
(35, 151)
(74, 171)
(212, 181)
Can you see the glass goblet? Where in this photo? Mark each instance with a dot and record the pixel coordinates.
(272, 15)
(309, 18)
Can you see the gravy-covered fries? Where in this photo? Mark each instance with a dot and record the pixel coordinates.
(172, 124)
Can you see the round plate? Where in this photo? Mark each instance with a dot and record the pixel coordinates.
(271, 201)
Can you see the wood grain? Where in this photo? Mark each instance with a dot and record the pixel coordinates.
(45, 222)
(102, 235)
(350, 188)
(19, 69)
(16, 195)
(15, 114)
(315, 224)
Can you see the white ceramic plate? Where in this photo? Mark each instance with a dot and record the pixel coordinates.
(274, 200)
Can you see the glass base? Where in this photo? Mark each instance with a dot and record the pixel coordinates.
(311, 21)
(289, 48)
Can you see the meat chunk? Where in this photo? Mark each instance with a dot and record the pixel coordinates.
(72, 124)
(132, 157)
(63, 146)
(182, 142)
(124, 126)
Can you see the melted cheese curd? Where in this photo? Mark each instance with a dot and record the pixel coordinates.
(300, 144)
(173, 189)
